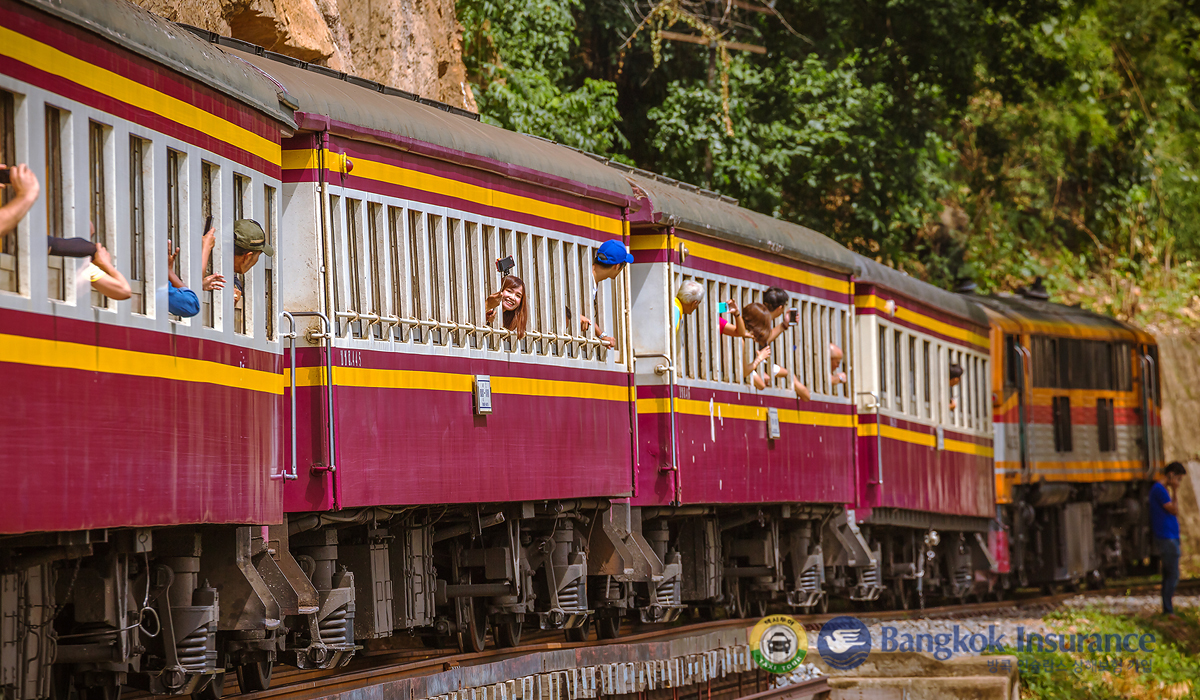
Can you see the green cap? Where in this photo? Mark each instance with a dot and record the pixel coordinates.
(248, 235)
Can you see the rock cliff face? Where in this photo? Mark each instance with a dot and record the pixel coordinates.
(1180, 376)
(413, 45)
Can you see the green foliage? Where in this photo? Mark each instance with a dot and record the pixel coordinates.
(1172, 671)
(519, 53)
(993, 141)
(810, 143)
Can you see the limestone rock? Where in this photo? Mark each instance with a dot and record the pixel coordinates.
(414, 45)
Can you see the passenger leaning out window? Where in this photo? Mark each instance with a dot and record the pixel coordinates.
(687, 300)
(249, 242)
(181, 301)
(510, 298)
(104, 275)
(836, 357)
(735, 328)
(25, 187)
(956, 373)
(760, 329)
(611, 257)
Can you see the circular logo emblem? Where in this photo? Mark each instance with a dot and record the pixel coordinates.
(844, 643)
(778, 643)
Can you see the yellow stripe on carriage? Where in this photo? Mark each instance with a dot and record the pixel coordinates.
(871, 301)
(764, 267)
(90, 358)
(733, 411)
(306, 159)
(916, 437)
(49, 59)
(365, 378)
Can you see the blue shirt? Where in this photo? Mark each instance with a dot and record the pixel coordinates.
(1164, 525)
(182, 301)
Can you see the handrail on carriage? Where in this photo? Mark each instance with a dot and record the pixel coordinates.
(325, 333)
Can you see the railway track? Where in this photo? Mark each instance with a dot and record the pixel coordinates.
(373, 666)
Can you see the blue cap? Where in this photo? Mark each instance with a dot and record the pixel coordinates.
(613, 253)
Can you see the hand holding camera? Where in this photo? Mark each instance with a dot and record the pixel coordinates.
(22, 180)
(505, 265)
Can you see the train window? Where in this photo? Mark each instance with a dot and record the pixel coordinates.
(537, 291)
(1105, 425)
(415, 273)
(1012, 362)
(1045, 362)
(175, 240)
(883, 366)
(573, 294)
(139, 163)
(270, 227)
(925, 379)
(397, 245)
(897, 370)
(1122, 367)
(210, 207)
(821, 351)
(58, 269)
(1103, 366)
(939, 400)
(957, 394)
(540, 295)
(712, 329)
(242, 311)
(9, 245)
(340, 296)
(375, 269)
(686, 338)
(818, 357)
(98, 194)
(476, 271)
(985, 394)
(1073, 364)
(913, 401)
(844, 325)
(977, 387)
(353, 266)
(435, 246)
(965, 394)
(1062, 423)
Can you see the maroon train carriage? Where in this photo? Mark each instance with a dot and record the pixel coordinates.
(464, 464)
(745, 489)
(142, 450)
(926, 497)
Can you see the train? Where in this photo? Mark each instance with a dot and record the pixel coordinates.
(348, 447)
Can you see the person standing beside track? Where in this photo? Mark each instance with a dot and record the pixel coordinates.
(1164, 526)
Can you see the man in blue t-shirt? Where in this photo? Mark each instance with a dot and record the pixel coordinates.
(1164, 525)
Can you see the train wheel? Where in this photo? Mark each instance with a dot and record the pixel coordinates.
(608, 627)
(578, 634)
(214, 690)
(254, 676)
(822, 606)
(473, 639)
(508, 634)
(759, 608)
